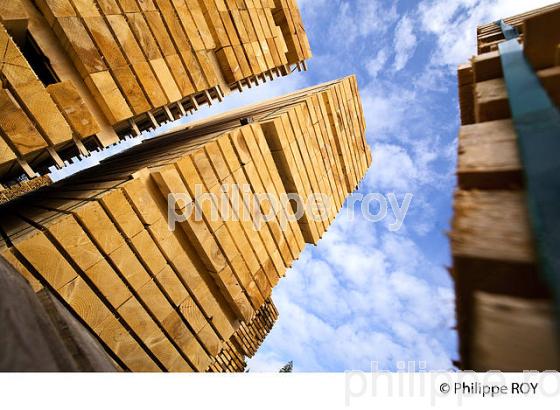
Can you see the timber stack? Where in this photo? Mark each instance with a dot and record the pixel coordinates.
(505, 306)
(80, 75)
(245, 191)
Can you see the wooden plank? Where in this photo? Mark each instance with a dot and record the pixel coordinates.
(44, 257)
(491, 100)
(475, 211)
(344, 121)
(108, 7)
(77, 114)
(128, 6)
(201, 24)
(273, 266)
(153, 297)
(190, 312)
(166, 79)
(150, 85)
(340, 144)
(489, 157)
(180, 75)
(322, 133)
(122, 213)
(7, 155)
(63, 68)
(335, 154)
(541, 37)
(153, 337)
(108, 96)
(180, 41)
(14, 17)
(295, 240)
(214, 23)
(103, 38)
(131, 89)
(229, 64)
(512, 334)
(78, 44)
(86, 8)
(126, 347)
(100, 227)
(186, 265)
(55, 9)
(149, 253)
(231, 218)
(125, 37)
(18, 128)
(160, 33)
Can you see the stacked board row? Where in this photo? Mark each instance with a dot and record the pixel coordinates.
(82, 74)
(246, 341)
(490, 35)
(166, 299)
(505, 310)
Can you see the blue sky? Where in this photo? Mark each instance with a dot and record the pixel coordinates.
(365, 293)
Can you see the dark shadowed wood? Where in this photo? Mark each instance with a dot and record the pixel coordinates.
(39, 334)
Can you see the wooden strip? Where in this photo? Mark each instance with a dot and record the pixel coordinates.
(18, 128)
(108, 96)
(489, 157)
(475, 211)
(66, 97)
(512, 334)
(541, 37)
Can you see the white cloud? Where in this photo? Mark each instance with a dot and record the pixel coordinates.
(359, 19)
(376, 64)
(387, 108)
(454, 23)
(345, 305)
(394, 170)
(404, 43)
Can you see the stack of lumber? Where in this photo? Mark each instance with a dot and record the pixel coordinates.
(36, 120)
(82, 74)
(161, 299)
(246, 341)
(505, 311)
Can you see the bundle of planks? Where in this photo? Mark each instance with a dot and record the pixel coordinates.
(172, 299)
(505, 312)
(36, 120)
(83, 74)
(246, 341)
